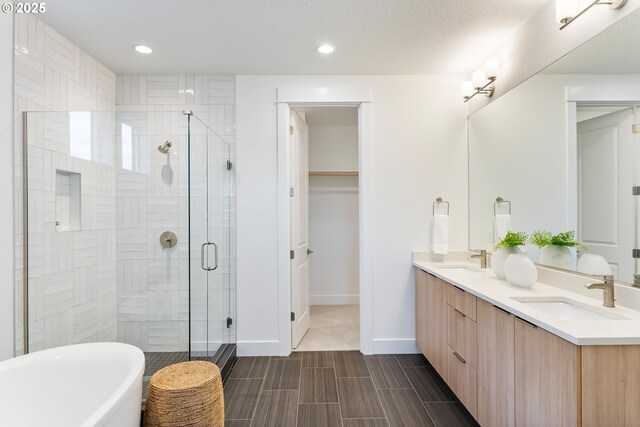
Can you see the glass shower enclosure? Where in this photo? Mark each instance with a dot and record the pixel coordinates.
(129, 234)
(210, 240)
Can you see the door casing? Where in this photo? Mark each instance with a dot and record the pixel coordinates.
(343, 96)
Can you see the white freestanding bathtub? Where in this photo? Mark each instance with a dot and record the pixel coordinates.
(78, 385)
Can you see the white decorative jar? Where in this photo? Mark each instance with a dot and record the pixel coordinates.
(520, 270)
(499, 257)
(557, 256)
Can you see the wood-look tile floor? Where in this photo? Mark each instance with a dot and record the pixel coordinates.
(340, 389)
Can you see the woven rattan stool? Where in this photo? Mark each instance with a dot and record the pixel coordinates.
(187, 394)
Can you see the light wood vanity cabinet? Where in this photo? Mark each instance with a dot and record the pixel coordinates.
(461, 372)
(611, 385)
(508, 372)
(462, 379)
(547, 378)
(421, 314)
(431, 318)
(496, 404)
(461, 335)
(461, 301)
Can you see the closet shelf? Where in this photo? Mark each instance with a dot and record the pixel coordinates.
(333, 173)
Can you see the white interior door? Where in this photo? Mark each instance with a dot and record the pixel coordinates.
(605, 179)
(299, 192)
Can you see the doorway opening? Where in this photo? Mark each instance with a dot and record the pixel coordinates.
(325, 223)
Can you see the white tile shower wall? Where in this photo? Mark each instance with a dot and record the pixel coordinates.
(73, 274)
(152, 197)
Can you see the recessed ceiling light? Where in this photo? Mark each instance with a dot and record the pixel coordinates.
(143, 49)
(326, 48)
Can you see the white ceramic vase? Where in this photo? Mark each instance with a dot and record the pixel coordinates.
(520, 270)
(499, 257)
(594, 264)
(557, 256)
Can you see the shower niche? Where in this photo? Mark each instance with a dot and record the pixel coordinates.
(68, 203)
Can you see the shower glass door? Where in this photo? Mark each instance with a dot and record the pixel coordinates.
(209, 185)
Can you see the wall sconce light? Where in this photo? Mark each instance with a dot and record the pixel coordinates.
(568, 11)
(482, 81)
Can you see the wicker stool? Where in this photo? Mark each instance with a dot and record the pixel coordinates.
(187, 394)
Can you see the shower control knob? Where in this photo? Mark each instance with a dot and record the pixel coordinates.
(168, 239)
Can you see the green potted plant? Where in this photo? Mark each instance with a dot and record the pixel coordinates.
(509, 244)
(555, 247)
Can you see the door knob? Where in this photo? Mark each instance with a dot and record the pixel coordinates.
(309, 251)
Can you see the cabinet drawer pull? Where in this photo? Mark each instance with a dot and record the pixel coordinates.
(459, 312)
(460, 358)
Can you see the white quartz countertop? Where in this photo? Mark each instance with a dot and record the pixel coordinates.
(483, 283)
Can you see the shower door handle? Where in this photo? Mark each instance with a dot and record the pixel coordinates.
(202, 263)
(216, 257)
(202, 256)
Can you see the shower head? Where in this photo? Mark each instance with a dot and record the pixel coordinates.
(164, 148)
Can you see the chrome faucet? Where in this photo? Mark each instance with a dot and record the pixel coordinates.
(608, 290)
(483, 258)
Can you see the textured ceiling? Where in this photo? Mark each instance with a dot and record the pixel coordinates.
(280, 36)
(614, 51)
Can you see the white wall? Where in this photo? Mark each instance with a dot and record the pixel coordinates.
(333, 216)
(333, 148)
(418, 153)
(6, 196)
(540, 42)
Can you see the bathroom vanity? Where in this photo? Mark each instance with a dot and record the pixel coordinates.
(548, 355)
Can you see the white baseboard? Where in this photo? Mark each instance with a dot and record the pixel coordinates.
(334, 299)
(380, 346)
(258, 348)
(395, 346)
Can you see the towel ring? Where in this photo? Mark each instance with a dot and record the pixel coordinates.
(499, 201)
(437, 202)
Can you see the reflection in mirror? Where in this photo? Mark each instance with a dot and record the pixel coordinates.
(561, 148)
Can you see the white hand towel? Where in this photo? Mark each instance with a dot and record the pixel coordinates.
(440, 234)
(501, 226)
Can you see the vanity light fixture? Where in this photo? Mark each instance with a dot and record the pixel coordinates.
(143, 49)
(568, 11)
(482, 81)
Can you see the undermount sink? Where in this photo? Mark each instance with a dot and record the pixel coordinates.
(568, 309)
(458, 268)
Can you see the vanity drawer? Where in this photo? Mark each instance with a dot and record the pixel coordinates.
(462, 301)
(462, 379)
(461, 335)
